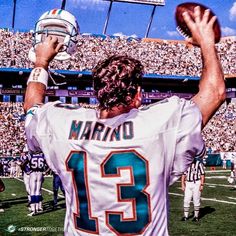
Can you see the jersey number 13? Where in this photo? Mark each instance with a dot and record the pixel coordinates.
(133, 192)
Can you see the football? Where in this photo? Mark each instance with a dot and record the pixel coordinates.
(183, 29)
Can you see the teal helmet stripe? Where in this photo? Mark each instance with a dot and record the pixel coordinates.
(60, 11)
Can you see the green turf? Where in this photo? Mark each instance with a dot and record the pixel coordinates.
(217, 218)
(14, 202)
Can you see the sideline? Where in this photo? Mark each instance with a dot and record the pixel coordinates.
(217, 171)
(206, 199)
(175, 194)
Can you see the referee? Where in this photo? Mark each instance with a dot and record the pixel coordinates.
(192, 182)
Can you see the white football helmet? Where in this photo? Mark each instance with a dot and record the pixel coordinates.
(59, 23)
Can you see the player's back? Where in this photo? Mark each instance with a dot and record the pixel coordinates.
(36, 162)
(116, 171)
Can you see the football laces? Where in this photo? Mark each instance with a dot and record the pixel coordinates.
(182, 32)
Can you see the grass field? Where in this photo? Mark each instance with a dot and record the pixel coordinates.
(217, 214)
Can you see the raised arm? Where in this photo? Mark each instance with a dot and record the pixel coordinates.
(212, 86)
(37, 82)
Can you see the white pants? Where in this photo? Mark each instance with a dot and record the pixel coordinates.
(36, 180)
(12, 171)
(192, 191)
(26, 182)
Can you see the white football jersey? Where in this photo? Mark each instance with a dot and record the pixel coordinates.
(116, 172)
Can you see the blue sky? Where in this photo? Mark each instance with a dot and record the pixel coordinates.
(125, 19)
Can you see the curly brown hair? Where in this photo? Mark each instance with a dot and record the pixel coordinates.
(116, 81)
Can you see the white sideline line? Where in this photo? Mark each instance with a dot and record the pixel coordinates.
(175, 194)
(211, 184)
(47, 190)
(217, 177)
(233, 198)
(217, 171)
(206, 199)
(220, 185)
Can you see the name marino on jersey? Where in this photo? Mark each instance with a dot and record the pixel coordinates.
(91, 130)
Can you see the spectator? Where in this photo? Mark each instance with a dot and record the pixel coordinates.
(164, 57)
(219, 133)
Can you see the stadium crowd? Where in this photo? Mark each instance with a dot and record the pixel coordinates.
(12, 133)
(219, 133)
(158, 56)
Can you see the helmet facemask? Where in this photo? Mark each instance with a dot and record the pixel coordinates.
(63, 26)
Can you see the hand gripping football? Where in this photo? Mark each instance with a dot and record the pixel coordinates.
(189, 7)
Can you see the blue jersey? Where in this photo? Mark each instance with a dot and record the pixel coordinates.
(25, 164)
(37, 162)
(57, 182)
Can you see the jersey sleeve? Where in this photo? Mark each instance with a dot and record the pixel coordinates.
(37, 125)
(190, 143)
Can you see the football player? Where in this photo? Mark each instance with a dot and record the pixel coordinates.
(25, 167)
(37, 165)
(232, 178)
(56, 185)
(116, 163)
(12, 164)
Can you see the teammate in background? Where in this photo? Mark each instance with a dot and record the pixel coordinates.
(224, 163)
(5, 167)
(18, 167)
(116, 163)
(56, 185)
(37, 165)
(12, 164)
(25, 167)
(232, 178)
(232, 164)
(192, 183)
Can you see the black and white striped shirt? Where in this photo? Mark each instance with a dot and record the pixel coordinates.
(194, 171)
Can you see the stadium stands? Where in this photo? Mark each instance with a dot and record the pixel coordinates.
(159, 56)
(219, 133)
(11, 129)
